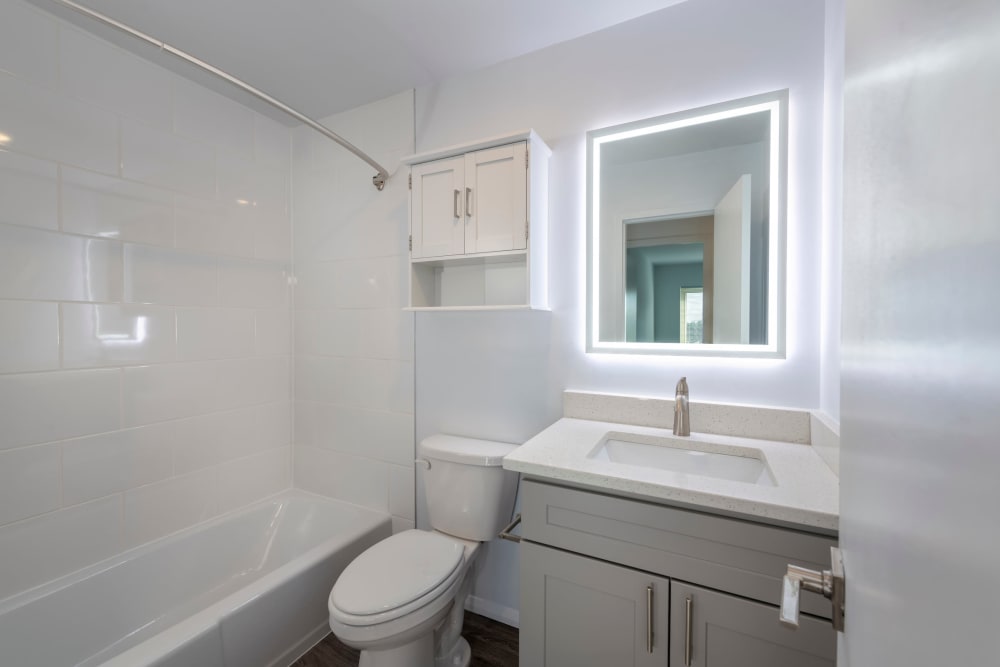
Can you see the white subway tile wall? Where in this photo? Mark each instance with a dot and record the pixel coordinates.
(353, 342)
(29, 190)
(145, 320)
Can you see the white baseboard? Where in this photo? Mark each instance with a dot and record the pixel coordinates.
(490, 609)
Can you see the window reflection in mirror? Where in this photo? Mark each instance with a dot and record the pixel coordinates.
(685, 231)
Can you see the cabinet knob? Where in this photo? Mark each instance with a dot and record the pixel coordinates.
(828, 583)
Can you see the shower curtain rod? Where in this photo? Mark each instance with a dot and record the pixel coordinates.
(378, 179)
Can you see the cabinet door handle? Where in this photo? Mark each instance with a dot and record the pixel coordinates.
(688, 608)
(468, 202)
(649, 618)
(458, 193)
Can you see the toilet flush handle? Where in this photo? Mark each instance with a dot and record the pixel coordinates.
(423, 462)
(506, 533)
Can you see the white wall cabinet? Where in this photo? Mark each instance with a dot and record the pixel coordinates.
(479, 225)
(616, 581)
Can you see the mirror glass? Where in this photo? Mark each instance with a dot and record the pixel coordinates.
(686, 231)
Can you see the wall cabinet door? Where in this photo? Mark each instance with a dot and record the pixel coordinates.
(472, 203)
(728, 631)
(496, 199)
(437, 218)
(581, 612)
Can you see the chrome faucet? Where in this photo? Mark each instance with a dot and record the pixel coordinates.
(682, 418)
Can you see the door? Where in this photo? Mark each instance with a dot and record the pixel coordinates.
(731, 285)
(496, 199)
(437, 218)
(730, 631)
(920, 384)
(582, 612)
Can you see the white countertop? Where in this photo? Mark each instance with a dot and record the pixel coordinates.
(806, 491)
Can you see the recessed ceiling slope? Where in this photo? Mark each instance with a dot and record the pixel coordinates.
(324, 56)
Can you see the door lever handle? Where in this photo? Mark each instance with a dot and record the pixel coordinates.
(828, 583)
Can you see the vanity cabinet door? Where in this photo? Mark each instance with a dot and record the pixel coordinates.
(437, 208)
(728, 631)
(581, 612)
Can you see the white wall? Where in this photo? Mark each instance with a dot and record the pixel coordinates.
(144, 322)
(646, 68)
(499, 375)
(353, 341)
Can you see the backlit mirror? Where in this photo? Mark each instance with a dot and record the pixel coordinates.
(686, 231)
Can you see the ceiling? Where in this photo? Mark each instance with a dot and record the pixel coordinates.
(325, 56)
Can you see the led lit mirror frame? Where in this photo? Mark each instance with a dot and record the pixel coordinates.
(776, 103)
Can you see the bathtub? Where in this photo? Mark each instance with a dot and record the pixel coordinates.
(248, 588)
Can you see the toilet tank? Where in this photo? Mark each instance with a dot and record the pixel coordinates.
(468, 493)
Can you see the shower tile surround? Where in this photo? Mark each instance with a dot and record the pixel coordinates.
(145, 312)
(353, 345)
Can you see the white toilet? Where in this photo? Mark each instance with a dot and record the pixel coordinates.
(403, 600)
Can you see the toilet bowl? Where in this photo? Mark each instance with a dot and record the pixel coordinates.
(402, 601)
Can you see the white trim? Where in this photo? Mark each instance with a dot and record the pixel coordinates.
(490, 609)
(492, 142)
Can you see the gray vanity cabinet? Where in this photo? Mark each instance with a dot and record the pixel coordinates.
(589, 560)
(728, 631)
(583, 612)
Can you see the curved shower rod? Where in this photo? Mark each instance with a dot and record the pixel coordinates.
(378, 179)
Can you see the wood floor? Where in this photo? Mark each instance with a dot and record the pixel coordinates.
(493, 645)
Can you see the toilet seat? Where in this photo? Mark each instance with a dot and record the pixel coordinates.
(395, 577)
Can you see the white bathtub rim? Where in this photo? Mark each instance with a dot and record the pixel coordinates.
(179, 634)
(21, 598)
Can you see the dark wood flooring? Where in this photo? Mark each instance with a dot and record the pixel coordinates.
(493, 645)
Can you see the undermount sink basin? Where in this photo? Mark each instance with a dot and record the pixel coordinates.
(680, 455)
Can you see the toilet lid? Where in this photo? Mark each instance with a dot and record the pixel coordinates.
(395, 572)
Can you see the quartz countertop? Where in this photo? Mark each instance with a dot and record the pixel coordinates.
(806, 491)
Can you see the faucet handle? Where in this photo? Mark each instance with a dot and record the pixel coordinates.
(682, 386)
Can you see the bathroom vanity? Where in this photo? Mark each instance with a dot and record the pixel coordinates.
(629, 558)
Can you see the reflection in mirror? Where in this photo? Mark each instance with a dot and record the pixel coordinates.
(685, 231)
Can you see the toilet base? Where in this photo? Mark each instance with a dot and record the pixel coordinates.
(416, 653)
(459, 656)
